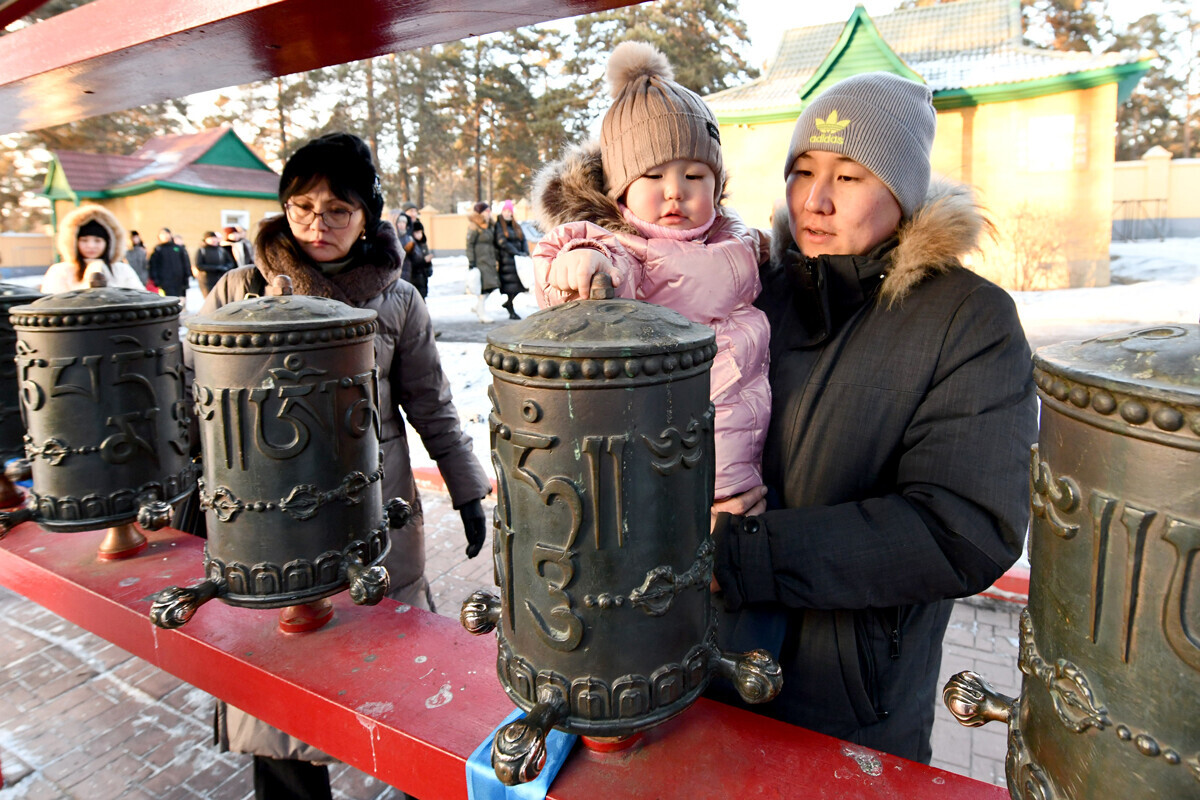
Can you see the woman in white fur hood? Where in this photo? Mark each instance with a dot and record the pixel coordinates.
(90, 239)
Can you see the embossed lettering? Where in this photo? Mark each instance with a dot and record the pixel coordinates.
(594, 447)
(120, 448)
(1050, 495)
(124, 361)
(1102, 507)
(1185, 537)
(91, 365)
(677, 449)
(1136, 521)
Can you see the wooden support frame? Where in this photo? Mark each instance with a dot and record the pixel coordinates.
(407, 695)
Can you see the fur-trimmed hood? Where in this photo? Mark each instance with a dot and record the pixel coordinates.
(68, 232)
(376, 265)
(572, 189)
(947, 226)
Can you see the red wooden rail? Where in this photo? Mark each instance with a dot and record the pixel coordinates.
(110, 55)
(406, 695)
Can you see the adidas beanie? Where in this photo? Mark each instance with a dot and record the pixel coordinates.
(882, 121)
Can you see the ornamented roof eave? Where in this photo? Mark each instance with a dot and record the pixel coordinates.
(149, 186)
(1125, 75)
(859, 24)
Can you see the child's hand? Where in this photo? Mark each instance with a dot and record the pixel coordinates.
(571, 272)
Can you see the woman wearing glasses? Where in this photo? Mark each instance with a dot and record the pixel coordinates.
(331, 242)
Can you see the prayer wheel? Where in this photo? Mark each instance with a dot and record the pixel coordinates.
(287, 398)
(101, 390)
(602, 443)
(12, 426)
(1110, 640)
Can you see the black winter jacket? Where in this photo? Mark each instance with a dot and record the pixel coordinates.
(896, 460)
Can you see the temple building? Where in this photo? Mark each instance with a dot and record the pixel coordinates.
(1031, 129)
(190, 183)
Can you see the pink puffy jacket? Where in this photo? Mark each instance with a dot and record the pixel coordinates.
(713, 281)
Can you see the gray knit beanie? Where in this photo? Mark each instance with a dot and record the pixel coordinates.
(883, 122)
(653, 120)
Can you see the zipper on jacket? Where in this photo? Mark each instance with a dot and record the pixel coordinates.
(894, 633)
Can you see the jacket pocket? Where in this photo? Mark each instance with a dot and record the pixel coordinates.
(856, 657)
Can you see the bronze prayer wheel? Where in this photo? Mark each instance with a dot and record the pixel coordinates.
(101, 387)
(602, 443)
(12, 428)
(286, 395)
(1110, 641)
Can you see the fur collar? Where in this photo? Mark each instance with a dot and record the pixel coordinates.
(947, 226)
(377, 263)
(572, 189)
(68, 233)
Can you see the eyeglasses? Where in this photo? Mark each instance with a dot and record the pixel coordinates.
(333, 218)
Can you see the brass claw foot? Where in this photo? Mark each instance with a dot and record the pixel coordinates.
(756, 675)
(480, 613)
(11, 519)
(974, 702)
(368, 585)
(398, 512)
(153, 515)
(519, 749)
(175, 605)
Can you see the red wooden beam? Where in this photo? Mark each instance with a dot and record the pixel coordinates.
(13, 10)
(114, 54)
(406, 695)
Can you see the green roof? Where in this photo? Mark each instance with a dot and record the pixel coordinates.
(968, 52)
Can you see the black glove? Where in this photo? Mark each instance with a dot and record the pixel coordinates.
(474, 525)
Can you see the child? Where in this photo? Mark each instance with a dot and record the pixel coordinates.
(90, 239)
(643, 205)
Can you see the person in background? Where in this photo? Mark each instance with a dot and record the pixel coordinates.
(90, 239)
(331, 242)
(896, 462)
(135, 256)
(422, 261)
(212, 261)
(510, 243)
(170, 267)
(406, 244)
(481, 254)
(240, 246)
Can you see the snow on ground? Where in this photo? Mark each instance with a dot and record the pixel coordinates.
(1152, 282)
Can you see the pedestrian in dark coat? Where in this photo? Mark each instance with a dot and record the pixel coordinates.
(331, 242)
(481, 254)
(419, 256)
(170, 267)
(212, 261)
(510, 243)
(903, 412)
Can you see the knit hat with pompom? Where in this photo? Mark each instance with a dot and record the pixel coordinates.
(653, 120)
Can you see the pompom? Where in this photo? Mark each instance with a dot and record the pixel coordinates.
(633, 60)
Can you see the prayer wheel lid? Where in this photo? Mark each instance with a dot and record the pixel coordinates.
(1162, 360)
(603, 327)
(94, 305)
(288, 312)
(14, 293)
